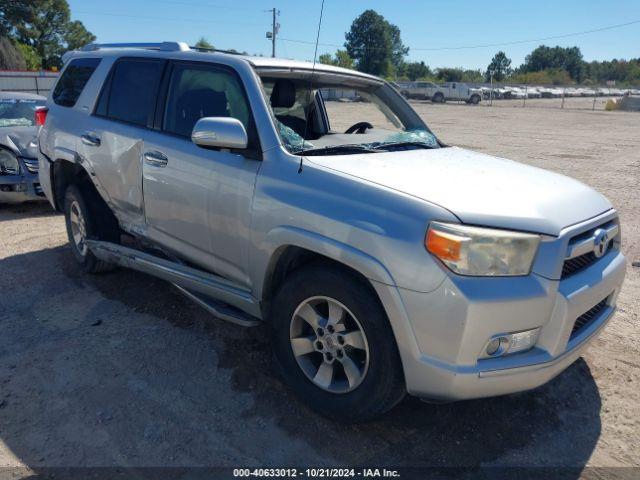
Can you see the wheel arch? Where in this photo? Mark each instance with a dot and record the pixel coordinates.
(297, 247)
(66, 172)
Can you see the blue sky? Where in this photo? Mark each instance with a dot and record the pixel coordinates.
(424, 25)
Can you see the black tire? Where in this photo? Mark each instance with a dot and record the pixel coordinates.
(98, 224)
(383, 384)
(475, 99)
(438, 98)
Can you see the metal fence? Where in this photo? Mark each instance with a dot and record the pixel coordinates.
(553, 96)
(540, 96)
(40, 82)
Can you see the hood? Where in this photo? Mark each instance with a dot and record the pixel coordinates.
(479, 189)
(23, 141)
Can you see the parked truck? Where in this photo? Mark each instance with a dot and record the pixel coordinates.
(442, 93)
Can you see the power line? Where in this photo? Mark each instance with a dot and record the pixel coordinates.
(553, 37)
(517, 42)
(200, 5)
(173, 19)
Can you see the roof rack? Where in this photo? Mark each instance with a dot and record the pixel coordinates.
(163, 46)
(214, 50)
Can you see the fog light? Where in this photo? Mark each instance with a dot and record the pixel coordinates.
(508, 343)
(493, 346)
(523, 340)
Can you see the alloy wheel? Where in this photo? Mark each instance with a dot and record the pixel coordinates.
(78, 227)
(329, 344)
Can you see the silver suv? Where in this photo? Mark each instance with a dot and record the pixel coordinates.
(384, 260)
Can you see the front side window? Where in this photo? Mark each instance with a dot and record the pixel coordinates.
(327, 117)
(18, 112)
(131, 95)
(198, 91)
(73, 80)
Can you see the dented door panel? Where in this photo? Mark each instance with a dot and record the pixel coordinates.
(116, 162)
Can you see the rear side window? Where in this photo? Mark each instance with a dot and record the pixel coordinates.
(130, 93)
(73, 80)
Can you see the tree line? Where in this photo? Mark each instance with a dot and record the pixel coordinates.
(373, 45)
(35, 33)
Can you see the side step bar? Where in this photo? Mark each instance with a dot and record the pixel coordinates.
(220, 310)
(208, 290)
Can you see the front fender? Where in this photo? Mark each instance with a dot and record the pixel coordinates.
(360, 261)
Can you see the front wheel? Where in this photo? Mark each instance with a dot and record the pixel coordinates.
(438, 98)
(475, 99)
(334, 345)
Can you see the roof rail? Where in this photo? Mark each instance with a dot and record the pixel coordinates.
(214, 50)
(163, 46)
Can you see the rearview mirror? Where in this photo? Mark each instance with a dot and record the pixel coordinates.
(222, 132)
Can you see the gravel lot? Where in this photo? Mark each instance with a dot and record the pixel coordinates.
(119, 369)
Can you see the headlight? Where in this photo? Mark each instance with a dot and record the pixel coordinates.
(8, 163)
(482, 251)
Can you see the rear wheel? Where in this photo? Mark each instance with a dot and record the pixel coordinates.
(81, 209)
(335, 346)
(438, 98)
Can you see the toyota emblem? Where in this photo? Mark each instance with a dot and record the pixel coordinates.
(600, 242)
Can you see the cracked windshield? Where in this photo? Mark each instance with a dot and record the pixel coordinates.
(316, 118)
(16, 112)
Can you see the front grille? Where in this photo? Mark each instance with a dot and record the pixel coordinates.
(31, 164)
(588, 317)
(576, 264)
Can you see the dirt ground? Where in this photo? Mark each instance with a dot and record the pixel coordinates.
(119, 369)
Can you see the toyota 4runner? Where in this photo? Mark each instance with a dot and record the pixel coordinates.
(384, 260)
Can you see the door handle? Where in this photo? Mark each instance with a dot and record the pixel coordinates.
(155, 159)
(90, 139)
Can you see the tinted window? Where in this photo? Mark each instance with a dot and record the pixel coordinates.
(203, 91)
(131, 95)
(73, 80)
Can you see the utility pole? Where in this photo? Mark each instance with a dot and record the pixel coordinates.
(275, 27)
(491, 72)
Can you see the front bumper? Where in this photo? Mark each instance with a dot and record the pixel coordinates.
(20, 188)
(441, 334)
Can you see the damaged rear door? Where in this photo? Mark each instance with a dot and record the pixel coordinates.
(113, 140)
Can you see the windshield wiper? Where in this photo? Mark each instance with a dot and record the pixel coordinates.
(337, 150)
(394, 145)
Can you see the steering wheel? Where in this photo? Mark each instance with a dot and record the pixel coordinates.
(360, 127)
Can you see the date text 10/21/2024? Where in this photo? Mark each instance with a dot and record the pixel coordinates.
(317, 472)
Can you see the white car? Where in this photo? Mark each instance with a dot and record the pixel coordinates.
(515, 92)
(533, 92)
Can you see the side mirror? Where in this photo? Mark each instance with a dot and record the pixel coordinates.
(222, 132)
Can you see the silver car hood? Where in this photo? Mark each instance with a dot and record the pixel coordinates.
(21, 140)
(479, 189)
